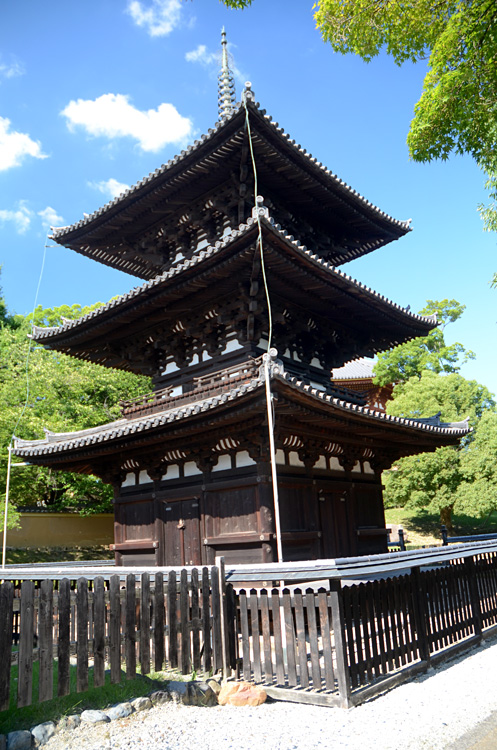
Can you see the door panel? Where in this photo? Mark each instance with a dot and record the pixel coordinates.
(338, 533)
(181, 523)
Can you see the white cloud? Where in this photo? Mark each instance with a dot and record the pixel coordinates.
(112, 116)
(50, 218)
(159, 18)
(203, 57)
(111, 187)
(20, 216)
(14, 146)
(11, 71)
(213, 61)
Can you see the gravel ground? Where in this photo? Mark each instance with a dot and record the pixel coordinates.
(432, 712)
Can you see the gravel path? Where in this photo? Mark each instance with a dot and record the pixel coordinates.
(431, 712)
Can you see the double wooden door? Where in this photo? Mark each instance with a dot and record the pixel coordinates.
(337, 520)
(181, 531)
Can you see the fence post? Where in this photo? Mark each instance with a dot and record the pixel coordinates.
(342, 662)
(443, 531)
(6, 623)
(469, 564)
(224, 618)
(402, 541)
(420, 615)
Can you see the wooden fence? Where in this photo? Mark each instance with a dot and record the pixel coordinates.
(343, 645)
(156, 623)
(333, 644)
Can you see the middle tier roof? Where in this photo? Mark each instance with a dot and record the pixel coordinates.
(219, 282)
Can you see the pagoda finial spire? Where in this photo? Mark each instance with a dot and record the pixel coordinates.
(226, 87)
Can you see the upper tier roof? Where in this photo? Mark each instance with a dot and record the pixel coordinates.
(286, 172)
(214, 273)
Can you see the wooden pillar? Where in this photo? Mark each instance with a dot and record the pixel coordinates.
(342, 661)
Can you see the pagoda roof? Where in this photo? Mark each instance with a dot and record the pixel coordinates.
(357, 369)
(405, 434)
(316, 285)
(303, 184)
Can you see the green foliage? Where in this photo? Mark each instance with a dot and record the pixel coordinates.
(64, 395)
(457, 110)
(434, 481)
(427, 352)
(454, 397)
(477, 493)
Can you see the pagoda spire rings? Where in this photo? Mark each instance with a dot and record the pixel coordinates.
(226, 85)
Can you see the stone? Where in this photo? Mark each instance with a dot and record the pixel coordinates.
(228, 689)
(143, 703)
(69, 722)
(120, 711)
(160, 696)
(214, 685)
(43, 732)
(177, 691)
(21, 740)
(205, 695)
(92, 716)
(241, 694)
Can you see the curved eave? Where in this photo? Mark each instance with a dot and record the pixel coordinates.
(129, 307)
(88, 440)
(83, 236)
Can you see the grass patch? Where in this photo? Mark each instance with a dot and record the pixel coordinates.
(21, 555)
(74, 703)
(423, 528)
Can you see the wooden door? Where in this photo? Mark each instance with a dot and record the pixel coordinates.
(181, 521)
(338, 533)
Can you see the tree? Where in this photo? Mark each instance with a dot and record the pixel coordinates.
(427, 352)
(477, 492)
(457, 110)
(432, 480)
(64, 394)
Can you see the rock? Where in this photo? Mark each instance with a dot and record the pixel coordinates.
(177, 691)
(120, 711)
(205, 695)
(69, 722)
(214, 685)
(241, 694)
(92, 716)
(3, 742)
(21, 740)
(43, 732)
(228, 689)
(143, 703)
(160, 696)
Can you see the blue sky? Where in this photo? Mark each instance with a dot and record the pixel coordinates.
(94, 95)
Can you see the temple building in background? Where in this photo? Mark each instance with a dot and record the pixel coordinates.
(242, 316)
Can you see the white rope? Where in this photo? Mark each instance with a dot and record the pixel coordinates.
(270, 352)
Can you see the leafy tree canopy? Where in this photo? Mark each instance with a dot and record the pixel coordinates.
(434, 480)
(65, 394)
(427, 352)
(477, 492)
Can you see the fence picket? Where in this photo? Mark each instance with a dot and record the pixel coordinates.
(45, 641)
(206, 622)
(115, 629)
(130, 620)
(6, 633)
(98, 632)
(184, 620)
(195, 622)
(290, 638)
(278, 644)
(159, 622)
(82, 635)
(266, 637)
(145, 624)
(172, 620)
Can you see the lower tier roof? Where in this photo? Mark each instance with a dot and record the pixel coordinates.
(237, 417)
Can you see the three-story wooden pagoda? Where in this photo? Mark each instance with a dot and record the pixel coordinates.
(227, 276)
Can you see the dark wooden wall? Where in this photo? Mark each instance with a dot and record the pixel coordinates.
(191, 521)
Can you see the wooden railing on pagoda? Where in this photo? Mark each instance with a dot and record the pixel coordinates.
(204, 387)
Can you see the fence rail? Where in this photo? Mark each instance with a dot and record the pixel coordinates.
(332, 644)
